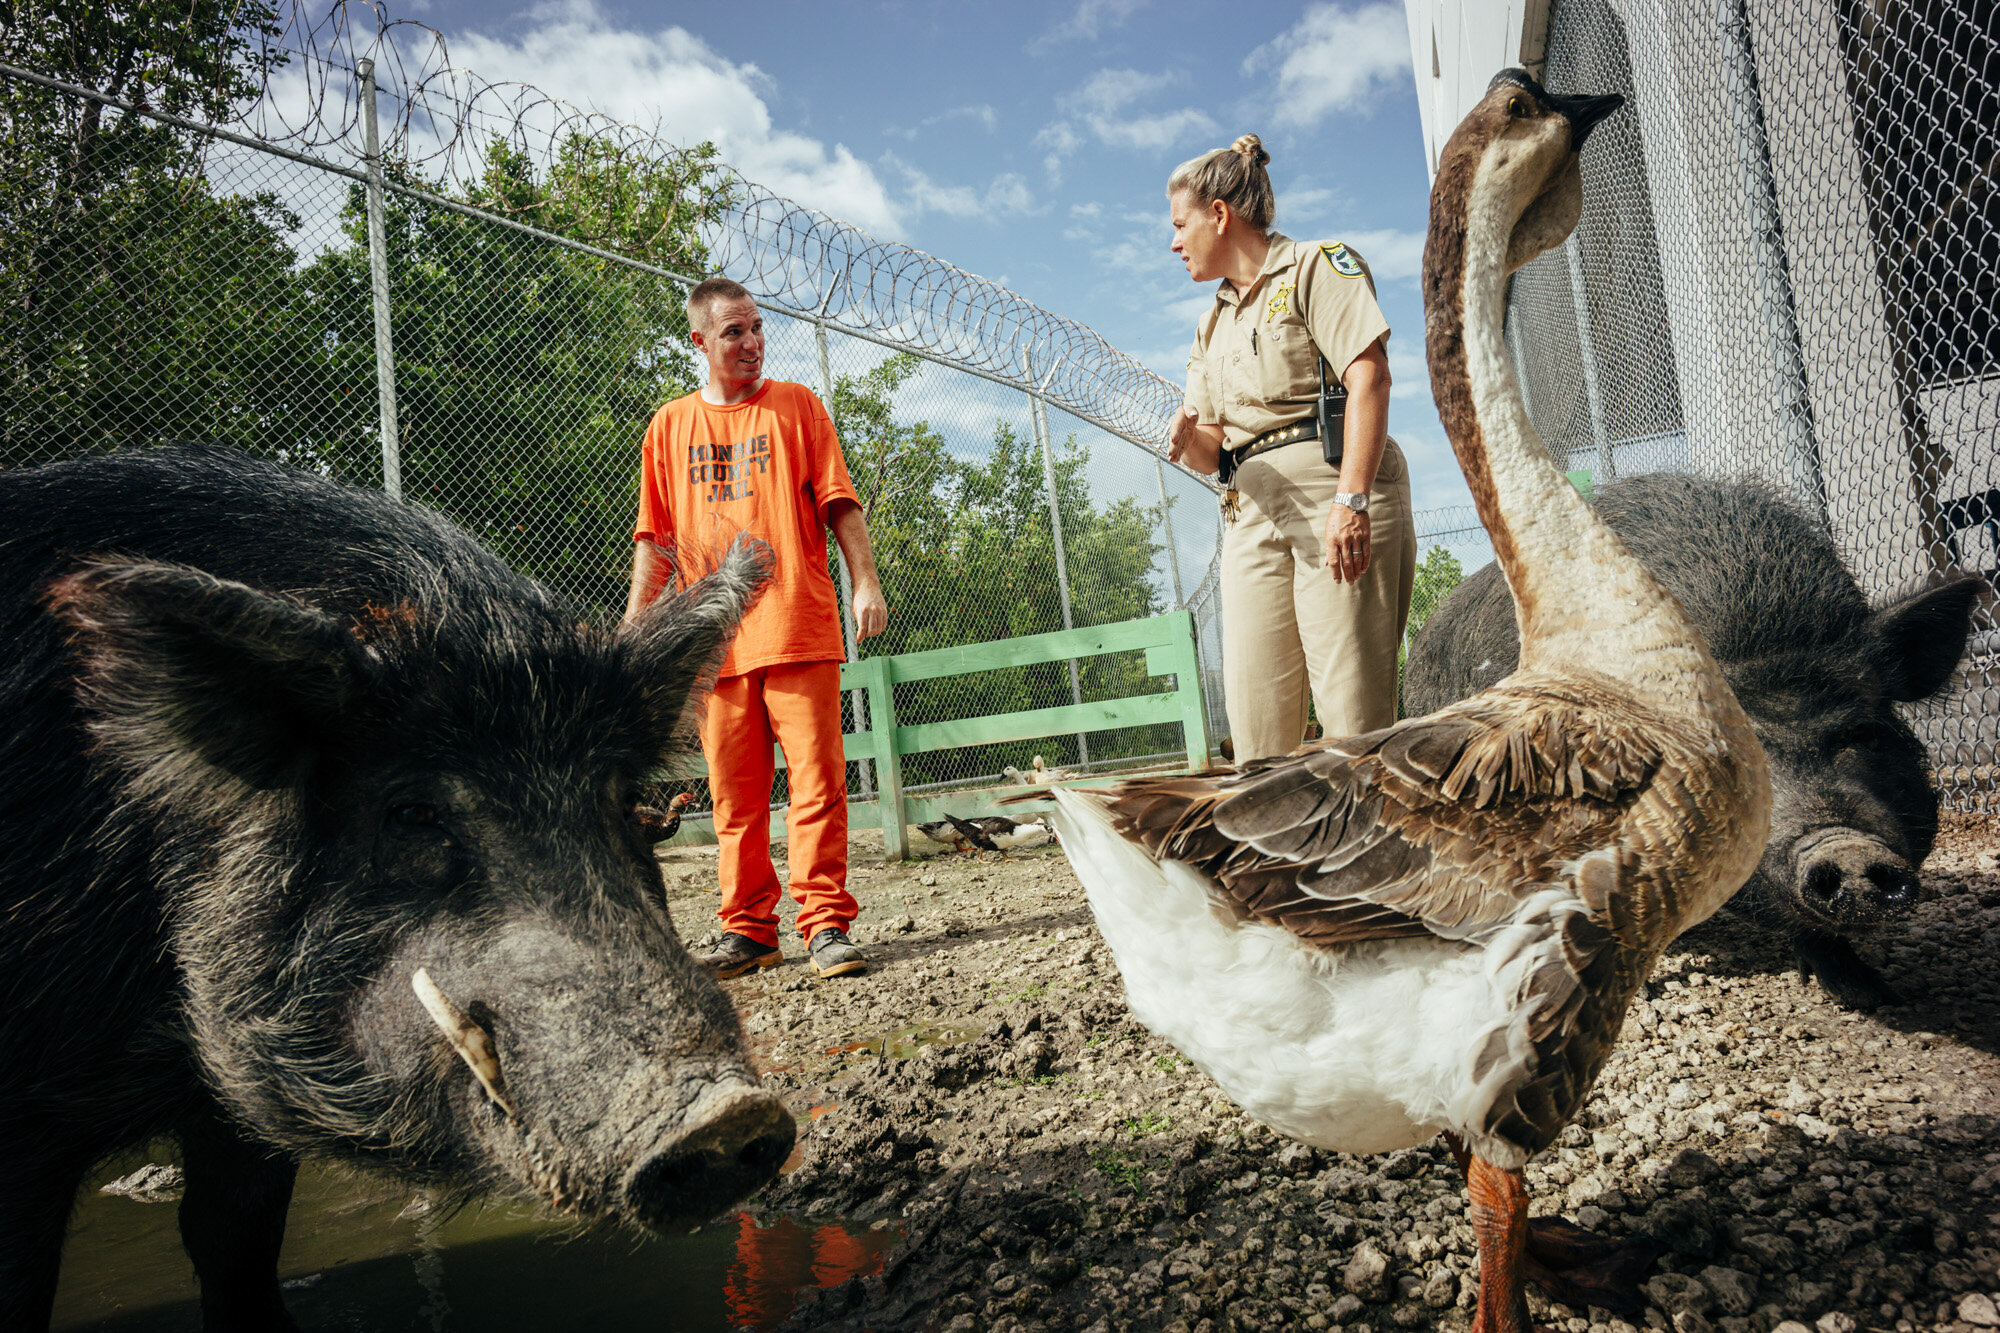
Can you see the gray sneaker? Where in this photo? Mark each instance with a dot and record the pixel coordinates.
(738, 954)
(833, 954)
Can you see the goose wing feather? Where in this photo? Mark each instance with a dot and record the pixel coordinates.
(1441, 825)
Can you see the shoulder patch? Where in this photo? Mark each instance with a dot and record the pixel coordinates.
(1342, 260)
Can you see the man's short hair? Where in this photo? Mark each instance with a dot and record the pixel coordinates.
(707, 293)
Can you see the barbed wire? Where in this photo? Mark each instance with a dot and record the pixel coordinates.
(443, 122)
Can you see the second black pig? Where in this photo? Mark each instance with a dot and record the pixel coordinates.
(317, 839)
(1820, 673)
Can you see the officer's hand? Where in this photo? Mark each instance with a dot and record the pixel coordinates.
(1345, 549)
(1181, 434)
(871, 610)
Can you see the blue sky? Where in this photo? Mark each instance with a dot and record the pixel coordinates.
(1029, 143)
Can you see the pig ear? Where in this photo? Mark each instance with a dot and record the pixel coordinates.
(178, 664)
(675, 645)
(1923, 636)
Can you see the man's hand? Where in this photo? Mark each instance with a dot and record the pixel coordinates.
(1345, 548)
(871, 609)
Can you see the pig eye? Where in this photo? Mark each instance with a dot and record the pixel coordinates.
(415, 815)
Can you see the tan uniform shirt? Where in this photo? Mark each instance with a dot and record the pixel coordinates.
(1255, 362)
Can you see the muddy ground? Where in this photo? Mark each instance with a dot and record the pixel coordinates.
(1052, 1165)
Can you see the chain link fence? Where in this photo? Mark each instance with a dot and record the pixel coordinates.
(475, 300)
(1786, 268)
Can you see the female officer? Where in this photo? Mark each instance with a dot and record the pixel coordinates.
(1318, 559)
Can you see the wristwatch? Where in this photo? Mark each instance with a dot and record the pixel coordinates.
(1355, 500)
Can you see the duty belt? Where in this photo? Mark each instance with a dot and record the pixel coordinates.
(1232, 459)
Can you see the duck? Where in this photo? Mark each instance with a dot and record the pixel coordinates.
(657, 825)
(1436, 928)
(941, 832)
(998, 833)
(1039, 774)
(992, 833)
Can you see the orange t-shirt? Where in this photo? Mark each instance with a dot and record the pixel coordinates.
(769, 467)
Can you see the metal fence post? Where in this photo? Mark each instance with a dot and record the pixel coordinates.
(1586, 341)
(847, 621)
(378, 282)
(1167, 529)
(1767, 246)
(1039, 413)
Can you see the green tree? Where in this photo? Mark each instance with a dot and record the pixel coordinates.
(136, 303)
(525, 371)
(967, 555)
(1437, 574)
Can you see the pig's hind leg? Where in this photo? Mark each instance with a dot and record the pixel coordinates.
(233, 1223)
(1845, 974)
(36, 1195)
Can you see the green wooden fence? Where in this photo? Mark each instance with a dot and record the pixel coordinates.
(1169, 645)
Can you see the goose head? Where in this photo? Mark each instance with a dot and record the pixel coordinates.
(1513, 164)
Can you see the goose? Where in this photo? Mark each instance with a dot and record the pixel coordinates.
(1436, 928)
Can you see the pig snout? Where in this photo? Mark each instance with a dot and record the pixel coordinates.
(1847, 878)
(731, 1143)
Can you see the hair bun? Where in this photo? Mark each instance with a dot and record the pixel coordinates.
(1250, 146)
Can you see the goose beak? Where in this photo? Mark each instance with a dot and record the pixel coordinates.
(1582, 113)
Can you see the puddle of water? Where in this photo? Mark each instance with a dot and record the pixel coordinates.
(351, 1262)
(906, 1043)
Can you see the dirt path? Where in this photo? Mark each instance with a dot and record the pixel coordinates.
(1055, 1166)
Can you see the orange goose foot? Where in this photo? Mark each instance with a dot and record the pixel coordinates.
(1500, 1224)
(1571, 1264)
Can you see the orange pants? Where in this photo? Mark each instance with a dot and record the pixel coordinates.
(796, 704)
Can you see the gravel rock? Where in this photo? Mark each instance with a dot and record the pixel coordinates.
(1675, 1292)
(1048, 1164)
(1979, 1310)
(1735, 1293)
(1367, 1273)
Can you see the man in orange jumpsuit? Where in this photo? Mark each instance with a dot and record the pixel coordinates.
(751, 455)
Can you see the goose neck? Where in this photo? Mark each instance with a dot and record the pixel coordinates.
(1581, 599)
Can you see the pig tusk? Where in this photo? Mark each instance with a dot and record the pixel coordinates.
(473, 1043)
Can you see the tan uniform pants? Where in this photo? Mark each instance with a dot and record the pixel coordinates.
(1288, 626)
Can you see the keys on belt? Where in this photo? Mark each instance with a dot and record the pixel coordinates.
(1232, 459)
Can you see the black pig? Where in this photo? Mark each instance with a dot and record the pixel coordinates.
(1819, 672)
(317, 840)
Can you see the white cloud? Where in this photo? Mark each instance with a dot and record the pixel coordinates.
(1006, 194)
(1409, 373)
(1393, 256)
(1061, 139)
(673, 79)
(1105, 108)
(987, 118)
(1334, 59)
(1089, 210)
(1092, 17)
(1303, 204)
